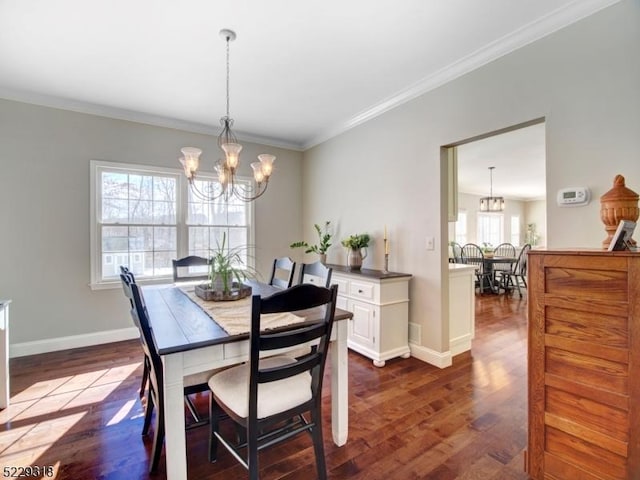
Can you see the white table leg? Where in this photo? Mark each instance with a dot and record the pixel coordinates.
(175, 438)
(339, 385)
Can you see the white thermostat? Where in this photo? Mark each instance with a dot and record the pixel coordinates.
(573, 196)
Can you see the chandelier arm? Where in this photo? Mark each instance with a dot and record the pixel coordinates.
(246, 194)
(207, 197)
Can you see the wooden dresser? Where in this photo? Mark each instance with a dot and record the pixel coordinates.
(584, 365)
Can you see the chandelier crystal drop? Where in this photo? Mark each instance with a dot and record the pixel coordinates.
(491, 203)
(228, 185)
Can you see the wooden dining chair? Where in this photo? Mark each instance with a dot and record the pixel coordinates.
(505, 250)
(315, 273)
(472, 255)
(187, 263)
(282, 272)
(456, 250)
(517, 277)
(274, 398)
(129, 277)
(155, 392)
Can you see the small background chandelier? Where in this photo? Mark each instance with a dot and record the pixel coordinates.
(491, 203)
(226, 169)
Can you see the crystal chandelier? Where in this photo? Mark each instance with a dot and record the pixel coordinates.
(491, 203)
(228, 185)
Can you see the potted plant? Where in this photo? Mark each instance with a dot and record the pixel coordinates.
(487, 249)
(324, 242)
(356, 243)
(227, 271)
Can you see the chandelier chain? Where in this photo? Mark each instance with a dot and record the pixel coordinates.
(227, 77)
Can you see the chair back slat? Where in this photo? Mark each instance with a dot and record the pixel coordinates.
(181, 264)
(521, 265)
(299, 297)
(290, 337)
(472, 255)
(282, 272)
(456, 250)
(278, 373)
(309, 272)
(504, 250)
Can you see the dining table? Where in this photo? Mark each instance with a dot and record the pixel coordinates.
(190, 341)
(489, 263)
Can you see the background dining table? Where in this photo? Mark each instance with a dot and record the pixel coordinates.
(189, 341)
(489, 264)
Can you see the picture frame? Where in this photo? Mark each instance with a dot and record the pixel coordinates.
(620, 240)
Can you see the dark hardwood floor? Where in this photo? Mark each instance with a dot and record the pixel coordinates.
(79, 412)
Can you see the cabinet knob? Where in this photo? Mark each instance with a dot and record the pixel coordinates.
(359, 291)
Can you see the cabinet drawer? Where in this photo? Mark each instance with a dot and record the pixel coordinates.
(343, 285)
(361, 290)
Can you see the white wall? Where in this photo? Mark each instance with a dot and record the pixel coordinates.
(44, 207)
(583, 80)
(536, 213)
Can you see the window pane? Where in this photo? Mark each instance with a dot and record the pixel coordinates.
(115, 210)
(114, 239)
(515, 230)
(137, 221)
(140, 187)
(115, 185)
(490, 229)
(461, 228)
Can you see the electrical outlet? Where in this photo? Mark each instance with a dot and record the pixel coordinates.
(431, 243)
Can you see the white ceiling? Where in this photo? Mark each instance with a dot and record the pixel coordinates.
(301, 71)
(519, 160)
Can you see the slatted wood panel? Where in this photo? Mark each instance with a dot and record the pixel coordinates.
(584, 361)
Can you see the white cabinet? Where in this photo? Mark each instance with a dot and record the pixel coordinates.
(462, 310)
(379, 302)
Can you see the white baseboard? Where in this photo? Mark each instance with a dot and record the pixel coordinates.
(75, 341)
(460, 344)
(438, 359)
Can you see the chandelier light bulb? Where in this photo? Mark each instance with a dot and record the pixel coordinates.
(266, 161)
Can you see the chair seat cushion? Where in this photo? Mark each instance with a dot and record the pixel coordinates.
(231, 386)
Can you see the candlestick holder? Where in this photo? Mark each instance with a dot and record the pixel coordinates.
(386, 263)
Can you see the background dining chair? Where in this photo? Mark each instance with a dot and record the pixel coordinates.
(315, 273)
(282, 272)
(517, 277)
(269, 397)
(456, 250)
(506, 250)
(155, 392)
(472, 255)
(181, 265)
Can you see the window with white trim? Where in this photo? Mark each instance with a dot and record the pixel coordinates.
(490, 229)
(144, 217)
(460, 227)
(515, 230)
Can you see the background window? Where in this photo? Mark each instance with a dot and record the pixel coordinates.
(144, 217)
(490, 228)
(515, 230)
(461, 227)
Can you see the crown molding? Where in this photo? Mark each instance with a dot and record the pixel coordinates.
(137, 117)
(531, 32)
